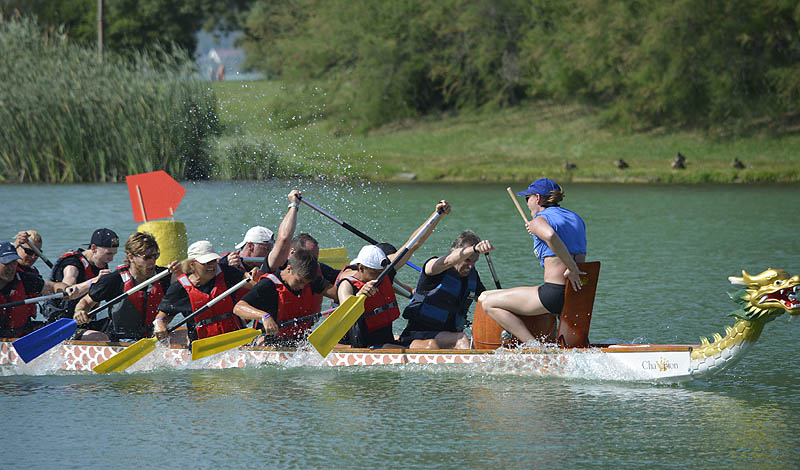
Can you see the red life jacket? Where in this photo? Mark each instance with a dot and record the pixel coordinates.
(380, 310)
(15, 318)
(219, 318)
(154, 295)
(86, 266)
(293, 306)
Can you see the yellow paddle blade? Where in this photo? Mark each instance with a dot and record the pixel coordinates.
(325, 337)
(219, 343)
(334, 257)
(127, 357)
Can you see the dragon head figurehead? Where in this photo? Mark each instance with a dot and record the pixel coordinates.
(766, 295)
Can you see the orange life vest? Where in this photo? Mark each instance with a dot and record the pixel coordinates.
(154, 295)
(294, 306)
(15, 318)
(88, 273)
(380, 310)
(219, 318)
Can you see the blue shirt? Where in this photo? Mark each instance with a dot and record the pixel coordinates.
(569, 227)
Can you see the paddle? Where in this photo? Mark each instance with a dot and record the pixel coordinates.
(325, 337)
(130, 355)
(34, 344)
(219, 343)
(33, 300)
(349, 227)
(491, 269)
(40, 255)
(516, 203)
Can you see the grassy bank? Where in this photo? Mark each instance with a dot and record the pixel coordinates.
(510, 145)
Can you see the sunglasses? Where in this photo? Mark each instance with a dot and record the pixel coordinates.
(29, 251)
(150, 256)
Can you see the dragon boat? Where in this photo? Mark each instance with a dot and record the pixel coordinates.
(764, 297)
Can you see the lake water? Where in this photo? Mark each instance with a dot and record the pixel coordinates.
(666, 254)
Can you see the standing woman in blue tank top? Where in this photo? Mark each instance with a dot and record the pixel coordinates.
(559, 237)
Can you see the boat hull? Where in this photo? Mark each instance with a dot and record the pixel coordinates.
(637, 362)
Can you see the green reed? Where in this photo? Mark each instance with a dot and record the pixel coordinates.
(65, 117)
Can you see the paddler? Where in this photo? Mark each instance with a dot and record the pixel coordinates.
(27, 255)
(559, 237)
(275, 254)
(445, 290)
(295, 291)
(17, 285)
(258, 243)
(131, 318)
(202, 280)
(79, 266)
(374, 327)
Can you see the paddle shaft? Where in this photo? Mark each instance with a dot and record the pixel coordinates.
(40, 255)
(339, 221)
(128, 292)
(209, 304)
(491, 269)
(405, 249)
(313, 316)
(516, 203)
(33, 300)
(350, 227)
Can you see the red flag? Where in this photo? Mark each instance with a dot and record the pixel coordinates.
(154, 195)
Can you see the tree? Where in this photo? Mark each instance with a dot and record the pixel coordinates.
(133, 25)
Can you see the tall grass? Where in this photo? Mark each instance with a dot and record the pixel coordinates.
(64, 117)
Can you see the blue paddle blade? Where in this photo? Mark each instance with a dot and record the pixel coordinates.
(33, 345)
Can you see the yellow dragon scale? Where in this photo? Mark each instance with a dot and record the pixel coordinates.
(767, 295)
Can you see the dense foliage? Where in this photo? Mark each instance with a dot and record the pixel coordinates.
(131, 25)
(67, 118)
(648, 62)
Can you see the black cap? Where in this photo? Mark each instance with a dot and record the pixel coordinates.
(105, 237)
(387, 248)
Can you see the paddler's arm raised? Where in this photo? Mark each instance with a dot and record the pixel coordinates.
(280, 252)
(456, 255)
(442, 205)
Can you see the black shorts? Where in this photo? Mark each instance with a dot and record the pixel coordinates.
(408, 336)
(358, 337)
(552, 297)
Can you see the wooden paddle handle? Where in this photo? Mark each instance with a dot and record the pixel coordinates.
(516, 203)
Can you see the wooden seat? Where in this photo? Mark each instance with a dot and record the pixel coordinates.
(486, 333)
(573, 327)
(576, 316)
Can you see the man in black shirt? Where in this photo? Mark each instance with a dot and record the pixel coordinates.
(295, 291)
(132, 317)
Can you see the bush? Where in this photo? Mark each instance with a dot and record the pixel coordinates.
(67, 118)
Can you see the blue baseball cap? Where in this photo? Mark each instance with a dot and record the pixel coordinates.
(8, 253)
(542, 186)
